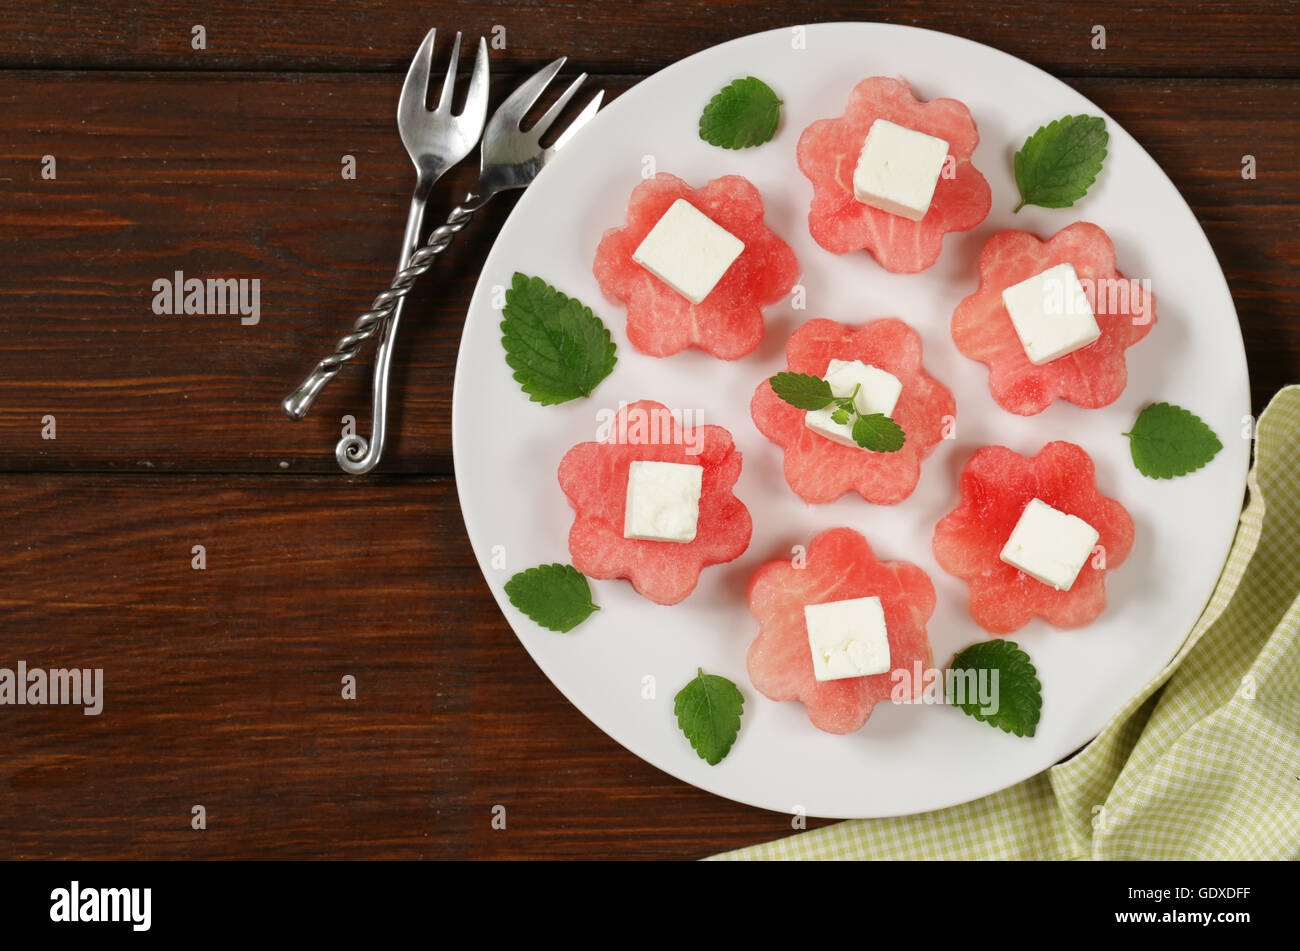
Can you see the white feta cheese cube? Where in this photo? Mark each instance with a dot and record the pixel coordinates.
(898, 169)
(878, 392)
(847, 638)
(1051, 314)
(688, 251)
(1049, 545)
(663, 501)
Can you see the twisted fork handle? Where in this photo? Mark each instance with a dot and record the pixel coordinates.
(297, 403)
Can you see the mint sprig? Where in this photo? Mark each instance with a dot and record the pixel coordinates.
(1019, 695)
(708, 711)
(555, 596)
(1168, 441)
(744, 114)
(873, 431)
(1058, 164)
(557, 347)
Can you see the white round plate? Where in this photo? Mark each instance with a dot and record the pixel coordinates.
(623, 665)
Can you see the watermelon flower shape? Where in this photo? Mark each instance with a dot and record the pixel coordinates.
(838, 565)
(828, 154)
(1090, 377)
(594, 476)
(996, 485)
(728, 323)
(820, 470)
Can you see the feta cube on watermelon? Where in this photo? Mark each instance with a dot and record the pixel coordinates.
(819, 469)
(1092, 376)
(839, 565)
(728, 321)
(594, 477)
(997, 485)
(828, 153)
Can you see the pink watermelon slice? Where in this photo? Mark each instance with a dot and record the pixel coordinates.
(594, 478)
(839, 565)
(819, 470)
(729, 321)
(996, 485)
(828, 153)
(1091, 377)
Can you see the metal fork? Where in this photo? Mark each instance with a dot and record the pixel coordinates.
(511, 159)
(436, 140)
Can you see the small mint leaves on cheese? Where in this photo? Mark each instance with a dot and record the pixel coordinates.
(1058, 164)
(708, 711)
(557, 347)
(744, 114)
(1168, 441)
(556, 596)
(873, 431)
(1016, 700)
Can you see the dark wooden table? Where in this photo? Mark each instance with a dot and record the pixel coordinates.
(223, 685)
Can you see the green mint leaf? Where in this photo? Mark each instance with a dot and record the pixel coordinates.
(1168, 441)
(742, 115)
(879, 433)
(1019, 696)
(557, 347)
(708, 711)
(555, 596)
(802, 390)
(1058, 163)
(840, 416)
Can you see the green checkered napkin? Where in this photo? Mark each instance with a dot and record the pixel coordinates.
(1204, 763)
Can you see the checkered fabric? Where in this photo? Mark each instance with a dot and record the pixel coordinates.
(1204, 763)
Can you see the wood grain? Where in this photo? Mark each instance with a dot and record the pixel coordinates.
(158, 173)
(1217, 38)
(223, 686)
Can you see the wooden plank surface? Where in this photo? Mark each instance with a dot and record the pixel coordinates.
(200, 174)
(223, 686)
(1215, 38)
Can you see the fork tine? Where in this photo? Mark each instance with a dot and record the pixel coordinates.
(511, 112)
(541, 125)
(476, 99)
(582, 119)
(449, 83)
(416, 84)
